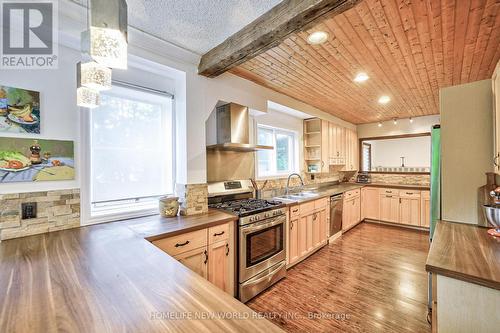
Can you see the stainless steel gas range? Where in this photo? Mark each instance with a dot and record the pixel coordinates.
(261, 235)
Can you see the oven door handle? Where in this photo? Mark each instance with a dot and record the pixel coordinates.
(267, 277)
(278, 220)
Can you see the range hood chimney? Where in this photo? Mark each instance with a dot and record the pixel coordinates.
(232, 129)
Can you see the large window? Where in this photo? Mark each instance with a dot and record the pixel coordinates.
(283, 159)
(131, 155)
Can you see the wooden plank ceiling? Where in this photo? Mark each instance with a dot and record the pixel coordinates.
(409, 48)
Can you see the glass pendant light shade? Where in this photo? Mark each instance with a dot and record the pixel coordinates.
(107, 47)
(94, 76)
(87, 98)
(106, 39)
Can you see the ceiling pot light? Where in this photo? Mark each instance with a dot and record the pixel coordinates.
(379, 124)
(317, 37)
(106, 39)
(87, 98)
(384, 99)
(411, 120)
(94, 76)
(361, 77)
(395, 121)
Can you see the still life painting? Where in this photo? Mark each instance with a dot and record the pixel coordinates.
(28, 160)
(19, 110)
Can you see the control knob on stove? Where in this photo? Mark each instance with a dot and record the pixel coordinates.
(266, 215)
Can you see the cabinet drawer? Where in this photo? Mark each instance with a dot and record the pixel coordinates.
(184, 242)
(390, 191)
(409, 194)
(320, 203)
(352, 194)
(306, 208)
(294, 212)
(218, 233)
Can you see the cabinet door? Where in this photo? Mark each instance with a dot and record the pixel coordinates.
(315, 230)
(346, 214)
(425, 215)
(332, 134)
(302, 230)
(309, 232)
(409, 211)
(356, 207)
(196, 260)
(370, 203)
(389, 208)
(323, 225)
(293, 241)
(325, 146)
(219, 264)
(496, 105)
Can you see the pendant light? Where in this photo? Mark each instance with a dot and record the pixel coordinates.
(106, 39)
(87, 98)
(94, 76)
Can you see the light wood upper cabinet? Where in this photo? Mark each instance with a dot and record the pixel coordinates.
(351, 159)
(389, 208)
(196, 260)
(425, 215)
(496, 105)
(219, 265)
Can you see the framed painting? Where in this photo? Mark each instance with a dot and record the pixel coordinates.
(28, 160)
(19, 110)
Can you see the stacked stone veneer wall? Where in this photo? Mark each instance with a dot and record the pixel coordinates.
(56, 210)
(193, 198)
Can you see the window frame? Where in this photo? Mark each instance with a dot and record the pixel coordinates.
(294, 149)
(126, 210)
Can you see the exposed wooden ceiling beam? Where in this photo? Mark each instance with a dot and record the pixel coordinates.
(267, 31)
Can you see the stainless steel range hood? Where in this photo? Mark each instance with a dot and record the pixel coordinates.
(232, 129)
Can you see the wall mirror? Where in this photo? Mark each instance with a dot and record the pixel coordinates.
(410, 153)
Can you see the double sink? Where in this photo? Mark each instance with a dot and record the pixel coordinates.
(298, 196)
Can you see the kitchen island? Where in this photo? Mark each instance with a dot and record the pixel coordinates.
(109, 278)
(465, 264)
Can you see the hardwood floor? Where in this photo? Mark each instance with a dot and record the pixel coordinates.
(372, 279)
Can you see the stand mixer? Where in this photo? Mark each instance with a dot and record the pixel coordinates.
(492, 213)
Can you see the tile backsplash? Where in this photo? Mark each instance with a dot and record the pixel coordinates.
(56, 210)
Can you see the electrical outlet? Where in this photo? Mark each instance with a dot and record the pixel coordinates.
(28, 210)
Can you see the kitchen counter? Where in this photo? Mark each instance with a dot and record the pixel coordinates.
(108, 278)
(322, 192)
(400, 186)
(465, 252)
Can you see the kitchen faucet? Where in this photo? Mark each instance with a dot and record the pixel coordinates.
(287, 189)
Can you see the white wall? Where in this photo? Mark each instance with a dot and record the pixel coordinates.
(387, 153)
(59, 115)
(166, 67)
(419, 125)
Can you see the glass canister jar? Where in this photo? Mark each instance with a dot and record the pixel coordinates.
(169, 206)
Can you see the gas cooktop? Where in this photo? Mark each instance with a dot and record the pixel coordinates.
(246, 207)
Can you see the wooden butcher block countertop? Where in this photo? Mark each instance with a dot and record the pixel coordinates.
(465, 252)
(108, 278)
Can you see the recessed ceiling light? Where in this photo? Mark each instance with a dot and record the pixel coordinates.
(395, 121)
(411, 120)
(384, 99)
(379, 124)
(361, 77)
(317, 37)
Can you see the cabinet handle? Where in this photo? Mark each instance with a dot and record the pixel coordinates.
(409, 193)
(219, 234)
(206, 256)
(399, 200)
(495, 159)
(322, 163)
(227, 249)
(388, 196)
(295, 210)
(182, 244)
(291, 225)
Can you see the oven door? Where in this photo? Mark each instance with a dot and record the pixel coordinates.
(262, 245)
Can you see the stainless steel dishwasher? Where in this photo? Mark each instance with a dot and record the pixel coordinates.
(336, 205)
